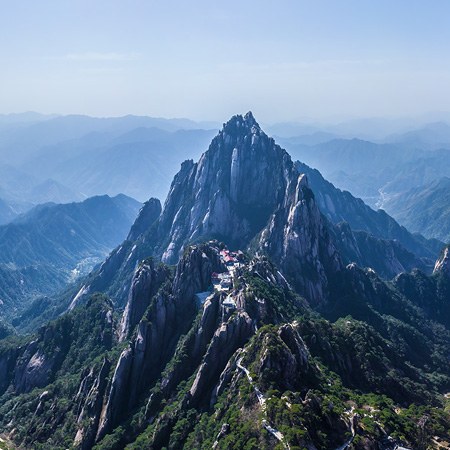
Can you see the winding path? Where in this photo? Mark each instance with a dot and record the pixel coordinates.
(352, 429)
(262, 401)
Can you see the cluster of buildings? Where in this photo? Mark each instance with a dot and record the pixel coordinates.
(222, 281)
(232, 260)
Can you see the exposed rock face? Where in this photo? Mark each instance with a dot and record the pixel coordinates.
(230, 192)
(194, 270)
(341, 206)
(117, 394)
(147, 216)
(139, 364)
(286, 355)
(298, 240)
(227, 339)
(169, 314)
(242, 185)
(90, 395)
(35, 368)
(443, 263)
(147, 279)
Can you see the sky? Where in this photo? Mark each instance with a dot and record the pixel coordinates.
(206, 60)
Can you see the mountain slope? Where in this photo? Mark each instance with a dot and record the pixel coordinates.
(53, 244)
(373, 172)
(340, 206)
(261, 373)
(424, 209)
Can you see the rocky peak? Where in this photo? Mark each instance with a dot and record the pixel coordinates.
(147, 215)
(242, 124)
(146, 281)
(193, 273)
(299, 241)
(229, 193)
(245, 186)
(443, 263)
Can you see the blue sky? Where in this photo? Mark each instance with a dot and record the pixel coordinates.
(284, 59)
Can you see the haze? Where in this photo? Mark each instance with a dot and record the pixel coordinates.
(285, 60)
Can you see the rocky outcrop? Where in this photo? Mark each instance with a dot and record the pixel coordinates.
(245, 184)
(285, 356)
(443, 263)
(143, 360)
(298, 240)
(117, 395)
(148, 278)
(90, 396)
(147, 216)
(35, 368)
(226, 340)
(194, 270)
(229, 194)
(170, 313)
(341, 206)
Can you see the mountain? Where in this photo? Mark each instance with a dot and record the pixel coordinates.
(242, 190)
(19, 145)
(340, 206)
(51, 245)
(264, 338)
(246, 191)
(424, 209)
(7, 212)
(110, 163)
(431, 136)
(69, 158)
(372, 171)
(356, 165)
(20, 191)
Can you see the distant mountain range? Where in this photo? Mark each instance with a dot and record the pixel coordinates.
(51, 245)
(69, 158)
(372, 171)
(424, 209)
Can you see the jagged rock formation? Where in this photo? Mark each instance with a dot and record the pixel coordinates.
(169, 312)
(298, 240)
(147, 215)
(243, 186)
(90, 397)
(341, 206)
(246, 191)
(191, 358)
(146, 282)
(231, 335)
(443, 263)
(432, 294)
(229, 193)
